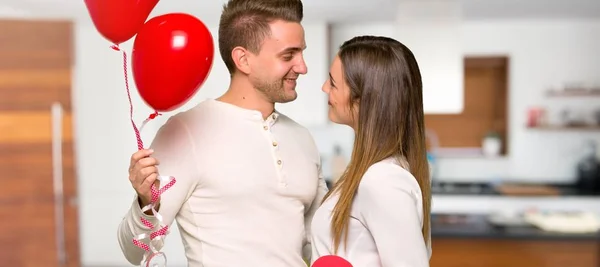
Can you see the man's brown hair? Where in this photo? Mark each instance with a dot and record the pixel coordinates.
(245, 23)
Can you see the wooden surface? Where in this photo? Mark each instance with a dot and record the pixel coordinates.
(35, 71)
(485, 106)
(527, 190)
(514, 253)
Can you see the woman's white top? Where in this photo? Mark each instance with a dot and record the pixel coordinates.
(385, 224)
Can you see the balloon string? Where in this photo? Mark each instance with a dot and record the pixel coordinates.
(140, 143)
(169, 181)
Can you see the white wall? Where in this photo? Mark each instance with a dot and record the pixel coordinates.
(437, 99)
(105, 138)
(542, 54)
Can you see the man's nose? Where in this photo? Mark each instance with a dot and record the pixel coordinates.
(301, 67)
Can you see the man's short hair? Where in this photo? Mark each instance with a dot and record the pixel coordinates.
(245, 23)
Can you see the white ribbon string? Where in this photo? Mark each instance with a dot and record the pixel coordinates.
(155, 238)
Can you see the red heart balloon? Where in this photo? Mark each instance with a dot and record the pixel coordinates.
(119, 20)
(331, 261)
(172, 57)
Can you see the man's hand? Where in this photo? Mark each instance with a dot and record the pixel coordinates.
(143, 174)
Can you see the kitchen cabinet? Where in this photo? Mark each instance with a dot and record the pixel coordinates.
(470, 241)
(508, 252)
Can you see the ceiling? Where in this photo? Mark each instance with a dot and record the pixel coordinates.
(325, 10)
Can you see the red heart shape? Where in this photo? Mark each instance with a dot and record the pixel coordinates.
(331, 261)
(119, 20)
(172, 57)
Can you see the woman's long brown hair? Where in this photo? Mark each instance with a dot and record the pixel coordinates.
(385, 85)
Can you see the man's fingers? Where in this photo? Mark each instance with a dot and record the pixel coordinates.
(147, 161)
(149, 181)
(142, 164)
(140, 154)
(143, 172)
(147, 171)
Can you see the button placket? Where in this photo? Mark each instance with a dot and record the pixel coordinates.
(278, 161)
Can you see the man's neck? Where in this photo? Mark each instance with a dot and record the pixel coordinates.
(241, 93)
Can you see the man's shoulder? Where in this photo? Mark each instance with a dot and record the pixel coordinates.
(300, 133)
(194, 113)
(298, 129)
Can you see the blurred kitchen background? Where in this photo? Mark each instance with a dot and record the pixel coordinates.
(512, 96)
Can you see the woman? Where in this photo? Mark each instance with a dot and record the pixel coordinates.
(377, 214)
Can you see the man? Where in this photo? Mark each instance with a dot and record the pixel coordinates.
(248, 177)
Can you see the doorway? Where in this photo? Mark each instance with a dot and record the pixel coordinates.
(38, 196)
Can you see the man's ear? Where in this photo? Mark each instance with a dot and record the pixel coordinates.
(240, 58)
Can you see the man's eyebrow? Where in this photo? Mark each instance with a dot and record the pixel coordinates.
(292, 49)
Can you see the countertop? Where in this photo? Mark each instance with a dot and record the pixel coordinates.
(478, 226)
(488, 189)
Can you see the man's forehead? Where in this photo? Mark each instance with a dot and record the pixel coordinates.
(286, 34)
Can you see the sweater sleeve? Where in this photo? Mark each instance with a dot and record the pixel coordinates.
(389, 199)
(174, 150)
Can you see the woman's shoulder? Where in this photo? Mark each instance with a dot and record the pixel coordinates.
(388, 174)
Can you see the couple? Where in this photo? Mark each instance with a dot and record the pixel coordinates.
(249, 188)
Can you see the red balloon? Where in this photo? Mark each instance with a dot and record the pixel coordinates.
(171, 59)
(331, 261)
(119, 20)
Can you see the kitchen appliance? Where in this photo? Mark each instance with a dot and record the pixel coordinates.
(588, 171)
